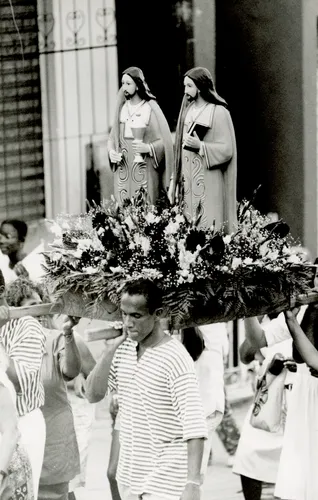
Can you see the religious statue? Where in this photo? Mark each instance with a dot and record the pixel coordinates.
(140, 144)
(206, 153)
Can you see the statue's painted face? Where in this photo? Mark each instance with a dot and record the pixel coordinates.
(129, 87)
(190, 89)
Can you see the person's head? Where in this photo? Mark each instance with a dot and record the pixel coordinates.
(23, 292)
(2, 289)
(133, 82)
(12, 236)
(199, 82)
(141, 307)
(193, 341)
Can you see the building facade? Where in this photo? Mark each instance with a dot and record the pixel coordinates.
(61, 62)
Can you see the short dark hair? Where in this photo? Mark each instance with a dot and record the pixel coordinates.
(147, 289)
(22, 288)
(2, 284)
(193, 341)
(20, 226)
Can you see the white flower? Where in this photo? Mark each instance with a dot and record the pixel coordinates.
(101, 230)
(143, 242)
(294, 259)
(236, 262)
(190, 278)
(263, 250)
(248, 261)
(151, 218)
(84, 244)
(55, 257)
(186, 258)
(90, 270)
(172, 228)
(273, 255)
(184, 273)
(117, 269)
(179, 218)
(56, 229)
(77, 253)
(132, 245)
(227, 239)
(151, 273)
(129, 222)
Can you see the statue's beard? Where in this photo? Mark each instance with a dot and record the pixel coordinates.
(192, 98)
(129, 96)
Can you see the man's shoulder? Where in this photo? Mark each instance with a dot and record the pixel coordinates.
(177, 357)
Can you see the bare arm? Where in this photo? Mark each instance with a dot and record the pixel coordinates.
(70, 358)
(8, 363)
(8, 428)
(97, 380)
(247, 352)
(88, 361)
(254, 333)
(307, 351)
(195, 453)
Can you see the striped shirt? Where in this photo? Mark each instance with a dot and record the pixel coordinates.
(24, 342)
(160, 410)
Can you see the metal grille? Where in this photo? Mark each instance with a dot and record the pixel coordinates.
(79, 77)
(21, 157)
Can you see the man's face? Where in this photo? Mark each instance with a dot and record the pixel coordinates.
(190, 89)
(129, 87)
(137, 319)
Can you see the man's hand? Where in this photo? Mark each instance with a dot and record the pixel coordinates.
(191, 492)
(69, 323)
(79, 386)
(115, 157)
(141, 147)
(20, 270)
(292, 315)
(114, 343)
(192, 142)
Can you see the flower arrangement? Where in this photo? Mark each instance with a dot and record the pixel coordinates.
(205, 275)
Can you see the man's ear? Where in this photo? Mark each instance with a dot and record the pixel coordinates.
(159, 312)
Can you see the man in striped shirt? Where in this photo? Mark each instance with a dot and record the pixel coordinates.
(22, 344)
(162, 424)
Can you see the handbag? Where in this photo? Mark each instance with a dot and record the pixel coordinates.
(268, 413)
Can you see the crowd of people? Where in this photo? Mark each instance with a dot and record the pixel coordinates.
(166, 389)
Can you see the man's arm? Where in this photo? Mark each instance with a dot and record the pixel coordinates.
(195, 453)
(247, 352)
(98, 380)
(254, 333)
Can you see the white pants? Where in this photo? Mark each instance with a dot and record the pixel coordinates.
(33, 433)
(213, 421)
(126, 494)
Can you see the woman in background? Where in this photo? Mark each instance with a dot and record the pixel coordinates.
(210, 370)
(61, 362)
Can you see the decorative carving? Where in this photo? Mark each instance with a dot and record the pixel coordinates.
(75, 21)
(46, 27)
(106, 20)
